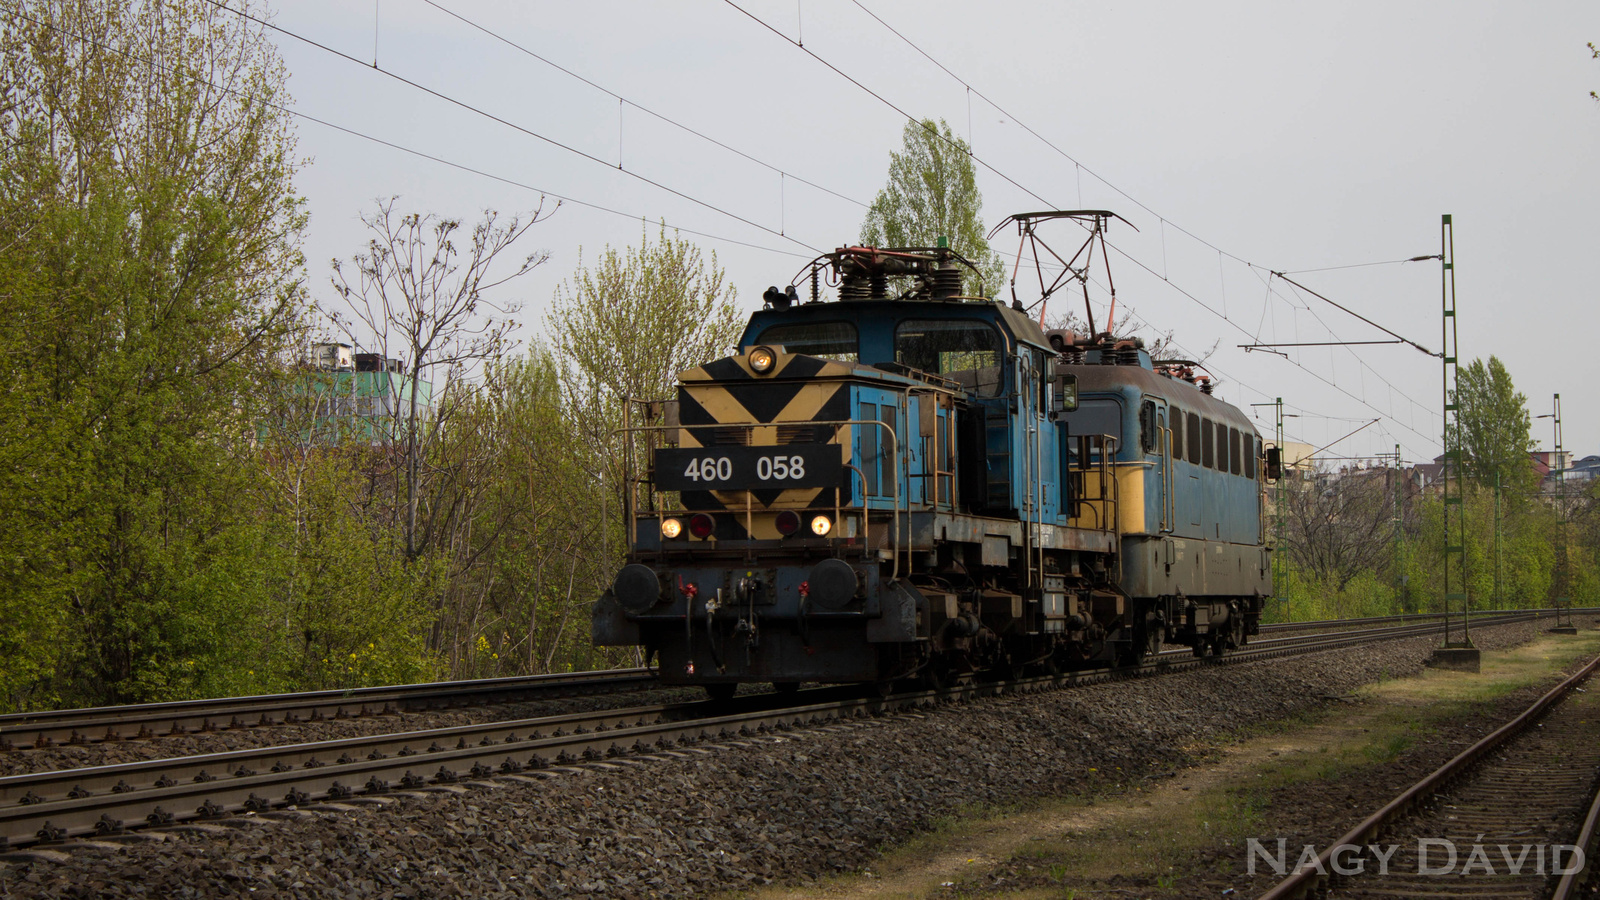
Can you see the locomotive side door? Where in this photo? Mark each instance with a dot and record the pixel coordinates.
(1155, 446)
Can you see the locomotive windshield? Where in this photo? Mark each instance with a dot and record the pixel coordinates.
(829, 340)
(1094, 417)
(968, 352)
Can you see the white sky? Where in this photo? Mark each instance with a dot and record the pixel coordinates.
(1294, 136)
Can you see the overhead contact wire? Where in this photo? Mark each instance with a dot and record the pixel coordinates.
(414, 152)
(509, 124)
(644, 109)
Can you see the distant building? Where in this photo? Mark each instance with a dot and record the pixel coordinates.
(1547, 463)
(1584, 470)
(361, 397)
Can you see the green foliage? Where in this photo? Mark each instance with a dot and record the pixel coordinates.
(933, 193)
(152, 279)
(345, 607)
(550, 517)
(626, 327)
(1494, 425)
(623, 330)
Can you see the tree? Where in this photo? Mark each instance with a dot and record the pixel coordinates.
(414, 296)
(146, 186)
(1337, 525)
(622, 331)
(933, 193)
(1494, 428)
(418, 297)
(546, 512)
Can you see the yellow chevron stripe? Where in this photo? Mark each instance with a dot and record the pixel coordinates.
(806, 404)
(719, 404)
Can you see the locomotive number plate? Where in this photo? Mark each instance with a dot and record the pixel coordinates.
(747, 468)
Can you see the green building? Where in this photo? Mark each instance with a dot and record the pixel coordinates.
(359, 397)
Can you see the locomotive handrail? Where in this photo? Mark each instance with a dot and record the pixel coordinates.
(1169, 506)
(1106, 519)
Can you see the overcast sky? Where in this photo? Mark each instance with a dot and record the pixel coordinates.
(1238, 138)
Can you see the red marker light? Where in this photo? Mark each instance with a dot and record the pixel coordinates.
(788, 522)
(701, 525)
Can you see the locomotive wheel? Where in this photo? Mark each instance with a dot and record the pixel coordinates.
(722, 691)
(1219, 643)
(1201, 644)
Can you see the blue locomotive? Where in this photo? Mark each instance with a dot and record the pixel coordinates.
(905, 482)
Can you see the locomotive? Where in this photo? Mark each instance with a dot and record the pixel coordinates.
(904, 482)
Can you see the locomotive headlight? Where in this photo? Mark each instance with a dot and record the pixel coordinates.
(671, 528)
(762, 360)
(821, 525)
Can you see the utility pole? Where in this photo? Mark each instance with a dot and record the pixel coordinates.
(1278, 562)
(1398, 527)
(1454, 654)
(1563, 561)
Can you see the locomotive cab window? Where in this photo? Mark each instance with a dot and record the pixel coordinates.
(970, 353)
(1208, 444)
(1234, 460)
(1093, 418)
(829, 340)
(1194, 438)
(1175, 418)
(1252, 448)
(1149, 437)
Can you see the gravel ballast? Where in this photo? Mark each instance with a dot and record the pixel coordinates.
(716, 817)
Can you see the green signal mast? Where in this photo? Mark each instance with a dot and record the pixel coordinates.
(1279, 562)
(1458, 651)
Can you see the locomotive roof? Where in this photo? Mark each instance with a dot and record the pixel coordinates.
(866, 314)
(1108, 379)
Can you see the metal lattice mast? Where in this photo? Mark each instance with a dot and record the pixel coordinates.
(1563, 560)
(1497, 540)
(1397, 528)
(1280, 563)
(1455, 523)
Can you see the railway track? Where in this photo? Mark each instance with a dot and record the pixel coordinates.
(107, 801)
(1324, 624)
(142, 721)
(147, 720)
(1497, 821)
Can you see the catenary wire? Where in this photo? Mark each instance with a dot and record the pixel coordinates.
(512, 182)
(644, 109)
(1386, 262)
(1131, 199)
(509, 124)
(884, 100)
(417, 153)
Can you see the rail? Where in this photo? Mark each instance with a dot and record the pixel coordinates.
(80, 726)
(1311, 878)
(264, 779)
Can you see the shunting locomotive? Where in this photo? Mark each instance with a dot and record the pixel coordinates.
(905, 482)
